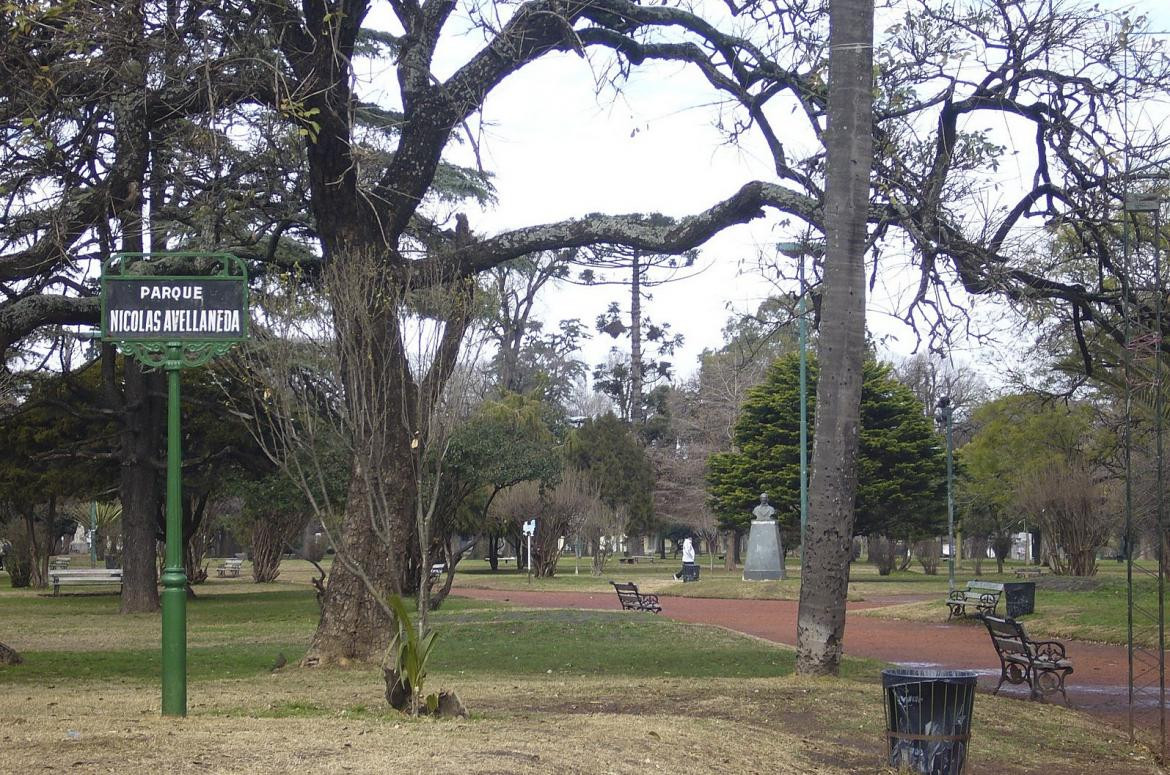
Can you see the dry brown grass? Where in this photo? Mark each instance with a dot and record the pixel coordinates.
(327, 721)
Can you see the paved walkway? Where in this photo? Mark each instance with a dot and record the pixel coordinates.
(1098, 685)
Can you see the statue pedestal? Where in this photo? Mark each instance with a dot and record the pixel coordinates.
(765, 556)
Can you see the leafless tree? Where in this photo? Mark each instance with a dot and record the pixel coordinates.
(564, 510)
(680, 490)
(928, 552)
(306, 415)
(931, 377)
(1068, 501)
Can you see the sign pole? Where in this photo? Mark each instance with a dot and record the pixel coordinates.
(174, 577)
(172, 323)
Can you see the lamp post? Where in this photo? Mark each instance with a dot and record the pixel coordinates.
(945, 412)
(1150, 205)
(800, 250)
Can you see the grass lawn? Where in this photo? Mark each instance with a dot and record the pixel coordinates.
(1092, 609)
(658, 577)
(550, 691)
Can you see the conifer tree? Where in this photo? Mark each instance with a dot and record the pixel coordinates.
(901, 464)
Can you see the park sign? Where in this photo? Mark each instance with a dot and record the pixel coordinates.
(174, 322)
(201, 314)
(148, 308)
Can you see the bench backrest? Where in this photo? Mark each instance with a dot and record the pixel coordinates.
(627, 591)
(80, 574)
(984, 586)
(1008, 636)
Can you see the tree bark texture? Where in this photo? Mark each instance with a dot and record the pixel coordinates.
(353, 625)
(376, 540)
(821, 620)
(139, 487)
(38, 553)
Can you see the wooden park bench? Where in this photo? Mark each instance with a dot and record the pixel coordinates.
(229, 568)
(982, 595)
(1042, 664)
(1030, 572)
(85, 576)
(59, 563)
(437, 569)
(633, 600)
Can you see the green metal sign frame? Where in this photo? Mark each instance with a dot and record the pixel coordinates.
(174, 352)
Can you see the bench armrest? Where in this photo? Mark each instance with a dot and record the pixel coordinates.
(1049, 649)
(989, 598)
(649, 598)
(957, 594)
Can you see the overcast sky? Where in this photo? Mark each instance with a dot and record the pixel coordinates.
(559, 150)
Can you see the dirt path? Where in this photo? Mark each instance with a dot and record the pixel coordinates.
(1098, 685)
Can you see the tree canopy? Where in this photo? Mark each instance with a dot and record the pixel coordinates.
(609, 451)
(902, 465)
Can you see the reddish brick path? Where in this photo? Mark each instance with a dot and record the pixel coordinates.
(1098, 685)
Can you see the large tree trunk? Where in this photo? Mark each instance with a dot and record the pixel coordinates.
(353, 624)
(849, 141)
(141, 404)
(375, 549)
(138, 487)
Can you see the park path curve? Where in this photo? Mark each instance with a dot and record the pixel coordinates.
(1098, 686)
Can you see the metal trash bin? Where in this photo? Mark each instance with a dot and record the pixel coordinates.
(689, 572)
(928, 718)
(1020, 597)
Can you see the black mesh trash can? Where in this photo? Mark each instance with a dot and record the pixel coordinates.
(928, 718)
(1020, 597)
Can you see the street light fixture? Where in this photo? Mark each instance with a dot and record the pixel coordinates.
(946, 411)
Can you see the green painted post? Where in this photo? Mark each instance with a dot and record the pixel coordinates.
(800, 250)
(174, 578)
(948, 412)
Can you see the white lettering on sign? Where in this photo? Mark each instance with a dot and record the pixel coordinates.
(174, 321)
(176, 292)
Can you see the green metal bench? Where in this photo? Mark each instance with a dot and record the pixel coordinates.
(983, 596)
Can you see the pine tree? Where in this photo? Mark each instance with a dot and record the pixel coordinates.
(901, 464)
